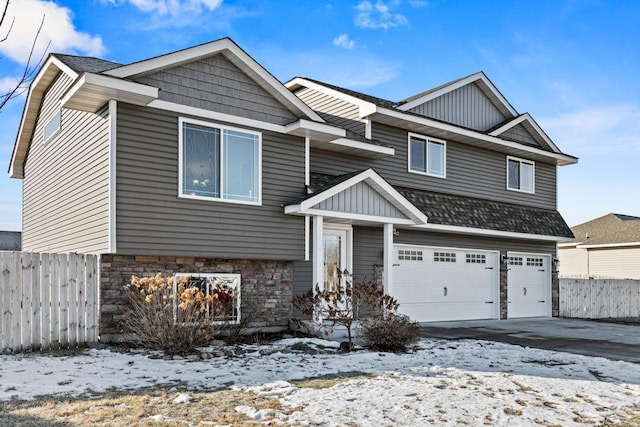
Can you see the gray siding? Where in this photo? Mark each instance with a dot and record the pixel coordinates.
(340, 113)
(519, 133)
(368, 247)
(471, 171)
(467, 106)
(361, 199)
(218, 85)
(152, 219)
(66, 180)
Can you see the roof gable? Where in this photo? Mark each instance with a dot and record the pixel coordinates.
(486, 87)
(233, 53)
(526, 130)
(608, 230)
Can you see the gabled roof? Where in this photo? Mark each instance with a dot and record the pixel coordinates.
(532, 127)
(608, 231)
(81, 64)
(479, 78)
(395, 114)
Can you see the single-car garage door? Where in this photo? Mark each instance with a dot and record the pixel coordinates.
(528, 285)
(438, 284)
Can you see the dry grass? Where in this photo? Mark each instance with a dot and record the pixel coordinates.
(136, 409)
(328, 381)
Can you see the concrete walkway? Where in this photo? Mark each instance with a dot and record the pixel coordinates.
(616, 342)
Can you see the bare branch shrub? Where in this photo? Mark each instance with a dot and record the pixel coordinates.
(393, 334)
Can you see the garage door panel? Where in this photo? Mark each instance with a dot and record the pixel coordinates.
(529, 285)
(446, 284)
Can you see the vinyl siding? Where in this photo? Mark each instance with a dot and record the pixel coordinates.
(622, 263)
(519, 133)
(335, 111)
(152, 219)
(368, 247)
(470, 171)
(216, 84)
(467, 106)
(66, 180)
(574, 262)
(360, 199)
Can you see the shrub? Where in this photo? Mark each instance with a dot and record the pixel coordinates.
(175, 323)
(394, 333)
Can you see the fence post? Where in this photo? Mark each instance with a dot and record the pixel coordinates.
(72, 299)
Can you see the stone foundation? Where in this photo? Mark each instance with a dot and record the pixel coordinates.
(266, 288)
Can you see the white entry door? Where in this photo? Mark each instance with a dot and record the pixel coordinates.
(528, 285)
(439, 284)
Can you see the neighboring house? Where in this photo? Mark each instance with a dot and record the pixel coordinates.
(10, 241)
(200, 162)
(606, 247)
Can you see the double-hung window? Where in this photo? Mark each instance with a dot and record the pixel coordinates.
(520, 175)
(427, 155)
(219, 162)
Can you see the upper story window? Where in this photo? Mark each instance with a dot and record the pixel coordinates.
(427, 155)
(219, 162)
(52, 126)
(520, 175)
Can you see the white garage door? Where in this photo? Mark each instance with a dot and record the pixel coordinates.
(438, 284)
(529, 285)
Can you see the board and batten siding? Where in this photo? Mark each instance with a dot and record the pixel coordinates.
(153, 220)
(335, 111)
(66, 180)
(360, 199)
(478, 112)
(216, 84)
(470, 171)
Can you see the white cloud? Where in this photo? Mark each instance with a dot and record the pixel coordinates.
(170, 7)
(603, 129)
(344, 41)
(58, 29)
(378, 15)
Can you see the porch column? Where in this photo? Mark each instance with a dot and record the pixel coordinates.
(387, 265)
(318, 252)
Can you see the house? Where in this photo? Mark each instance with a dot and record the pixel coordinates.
(10, 240)
(605, 247)
(200, 162)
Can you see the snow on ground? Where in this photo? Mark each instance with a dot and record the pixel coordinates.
(440, 382)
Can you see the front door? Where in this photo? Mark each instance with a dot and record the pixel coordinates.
(335, 257)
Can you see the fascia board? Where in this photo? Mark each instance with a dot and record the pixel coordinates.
(321, 131)
(609, 245)
(450, 88)
(355, 217)
(208, 49)
(346, 142)
(113, 89)
(30, 112)
(492, 233)
(563, 159)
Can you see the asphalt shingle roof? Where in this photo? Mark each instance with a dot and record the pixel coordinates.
(608, 229)
(87, 64)
(10, 240)
(460, 211)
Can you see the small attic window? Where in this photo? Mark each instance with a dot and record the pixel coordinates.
(52, 126)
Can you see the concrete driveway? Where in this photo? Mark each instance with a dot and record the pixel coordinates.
(616, 342)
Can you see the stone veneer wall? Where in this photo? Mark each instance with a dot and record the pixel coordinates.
(266, 287)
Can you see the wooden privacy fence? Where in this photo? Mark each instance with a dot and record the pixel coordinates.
(47, 300)
(599, 298)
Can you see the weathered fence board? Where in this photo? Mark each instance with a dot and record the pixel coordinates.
(47, 300)
(599, 298)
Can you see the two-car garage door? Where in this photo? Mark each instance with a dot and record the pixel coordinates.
(440, 284)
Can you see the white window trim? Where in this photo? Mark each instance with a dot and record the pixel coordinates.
(427, 139)
(181, 122)
(533, 178)
(55, 132)
(177, 277)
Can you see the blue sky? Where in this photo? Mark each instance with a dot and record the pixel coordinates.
(574, 65)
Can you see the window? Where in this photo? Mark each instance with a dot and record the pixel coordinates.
(52, 126)
(520, 175)
(407, 255)
(444, 257)
(225, 290)
(427, 156)
(535, 262)
(476, 259)
(515, 260)
(220, 163)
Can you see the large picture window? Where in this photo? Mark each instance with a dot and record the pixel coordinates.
(520, 175)
(219, 162)
(224, 290)
(427, 156)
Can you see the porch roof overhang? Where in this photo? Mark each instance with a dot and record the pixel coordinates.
(360, 197)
